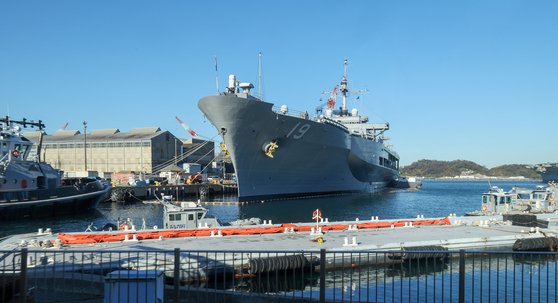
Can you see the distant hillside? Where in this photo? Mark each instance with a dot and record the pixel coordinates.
(512, 170)
(438, 169)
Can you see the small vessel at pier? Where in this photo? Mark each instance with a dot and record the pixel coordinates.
(31, 188)
(518, 200)
(277, 153)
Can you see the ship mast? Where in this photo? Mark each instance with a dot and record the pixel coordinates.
(343, 88)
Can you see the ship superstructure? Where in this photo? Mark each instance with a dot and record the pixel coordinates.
(280, 153)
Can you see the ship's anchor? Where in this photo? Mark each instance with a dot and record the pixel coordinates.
(269, 148)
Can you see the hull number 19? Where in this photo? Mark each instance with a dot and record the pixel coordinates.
(298, 131)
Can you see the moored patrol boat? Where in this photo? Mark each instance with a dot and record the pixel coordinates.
(31, 188)
(277, 153)
(518, 200)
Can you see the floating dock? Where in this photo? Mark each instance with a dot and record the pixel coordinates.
(213, 252)
(479, 233)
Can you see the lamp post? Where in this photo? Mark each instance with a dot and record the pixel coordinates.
(85, 142)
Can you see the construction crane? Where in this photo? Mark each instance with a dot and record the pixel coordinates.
(330, 103)
(186, 127)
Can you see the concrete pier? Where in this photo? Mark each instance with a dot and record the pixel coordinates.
(137, 193)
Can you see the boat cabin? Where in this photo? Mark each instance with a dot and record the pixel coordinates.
(14, 146)
(188, 215)
(540, 199)
(496, 200)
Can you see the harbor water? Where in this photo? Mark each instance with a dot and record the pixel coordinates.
(436, 198)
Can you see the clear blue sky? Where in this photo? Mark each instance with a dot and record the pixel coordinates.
(473, 80)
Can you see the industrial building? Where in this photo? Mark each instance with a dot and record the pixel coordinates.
(145, 150)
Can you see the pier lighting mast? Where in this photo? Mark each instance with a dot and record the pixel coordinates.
(85, 142)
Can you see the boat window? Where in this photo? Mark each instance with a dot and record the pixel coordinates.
(508, 199)
(175, 217)
(4, 148)
(25, 151)
(190, 217)
(200, 215)
(484, 199)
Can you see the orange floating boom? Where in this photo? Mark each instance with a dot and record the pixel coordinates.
(117, 236)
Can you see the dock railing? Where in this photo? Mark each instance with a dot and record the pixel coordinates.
(54, 275)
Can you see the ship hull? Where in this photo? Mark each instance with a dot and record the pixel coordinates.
(67, 200)
(312, 158)
(550, 174)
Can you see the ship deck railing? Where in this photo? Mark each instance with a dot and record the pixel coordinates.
(315, 118)
(279, 276)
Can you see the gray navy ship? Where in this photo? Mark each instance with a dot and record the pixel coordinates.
(548, 171)
(277, 153)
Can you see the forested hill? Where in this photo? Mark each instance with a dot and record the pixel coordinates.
(439, 169)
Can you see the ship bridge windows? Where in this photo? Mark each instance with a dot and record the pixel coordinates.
(390, 162)
(4, 149)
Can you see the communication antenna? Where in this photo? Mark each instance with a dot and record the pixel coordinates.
(260, 80)
(216, 76)
(343, 87)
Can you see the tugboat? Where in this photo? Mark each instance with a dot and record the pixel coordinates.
(30, 188)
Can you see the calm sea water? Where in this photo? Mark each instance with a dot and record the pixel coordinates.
(435, 199)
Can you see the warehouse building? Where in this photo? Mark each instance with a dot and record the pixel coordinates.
(145, 150)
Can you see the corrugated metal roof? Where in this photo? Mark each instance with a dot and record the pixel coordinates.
(63, 136)
(34, 134)
(145, 130)
(105, 132)
(65, 133)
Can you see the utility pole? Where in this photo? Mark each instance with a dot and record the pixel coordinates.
(85, 142)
